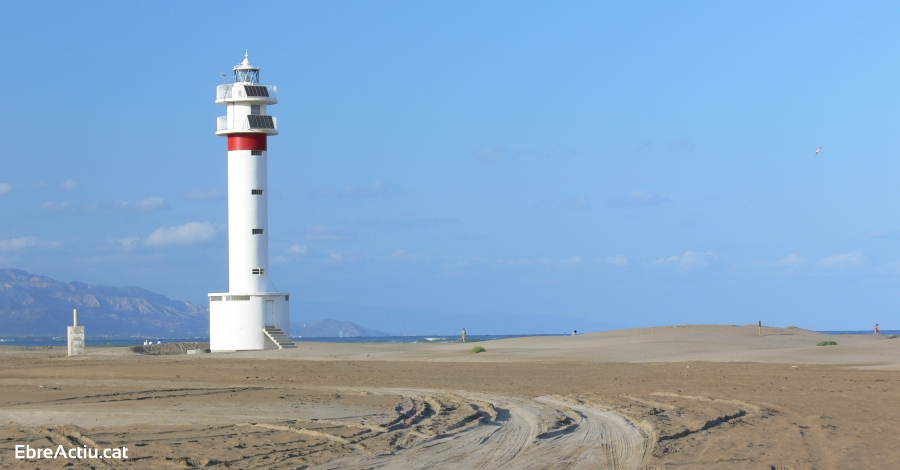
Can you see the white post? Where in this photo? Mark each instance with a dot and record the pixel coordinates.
(76, 336)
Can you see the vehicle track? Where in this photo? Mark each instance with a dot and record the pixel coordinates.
(545, 432)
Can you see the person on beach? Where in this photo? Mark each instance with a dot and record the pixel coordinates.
(876, 328)
(464, 335)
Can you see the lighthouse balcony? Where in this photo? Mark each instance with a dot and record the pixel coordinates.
(252, 123)
(266, 94)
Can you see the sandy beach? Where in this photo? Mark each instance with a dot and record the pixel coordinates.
(657, 398)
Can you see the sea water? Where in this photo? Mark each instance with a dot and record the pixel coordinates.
(415, 339)
(858, 332)
(34, 341)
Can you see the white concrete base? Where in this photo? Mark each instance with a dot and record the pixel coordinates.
(76, 340)
(236, 320)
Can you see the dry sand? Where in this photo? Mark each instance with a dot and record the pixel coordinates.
(667, 397)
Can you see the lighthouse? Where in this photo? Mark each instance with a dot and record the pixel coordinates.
(250, 316)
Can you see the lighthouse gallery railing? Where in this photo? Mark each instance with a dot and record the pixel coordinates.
(224, 92)
(259, 122)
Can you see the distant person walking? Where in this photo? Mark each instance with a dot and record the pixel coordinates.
(464, 335)
(876, 328)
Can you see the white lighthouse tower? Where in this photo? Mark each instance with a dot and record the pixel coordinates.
(249, 315)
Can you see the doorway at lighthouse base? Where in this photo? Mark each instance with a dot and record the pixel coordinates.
(240, 321)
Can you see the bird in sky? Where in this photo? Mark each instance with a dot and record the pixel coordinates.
(818, 150)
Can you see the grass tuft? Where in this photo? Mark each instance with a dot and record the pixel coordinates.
(827, 343)
(477, 349)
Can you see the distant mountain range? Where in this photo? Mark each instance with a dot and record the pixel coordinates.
(329, 328)
(38, 305)
(31, 304)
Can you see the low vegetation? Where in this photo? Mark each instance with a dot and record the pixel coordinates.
(827, 343)
(477, 349)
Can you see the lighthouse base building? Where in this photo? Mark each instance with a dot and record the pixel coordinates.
(248, 321)
(249, 316)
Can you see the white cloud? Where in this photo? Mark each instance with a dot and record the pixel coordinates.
(404, 255)
(683, 145)
(69, 185)
(55, 206)
(639, 199)
(400, 223)
(618, 260)
(149, 204)
(579, 202)
(202, 195)
(854, 258)
(377, 189)
(324, 233)
(792, 259)
(188, 234)
(23, 243)
(568, 262)
(5, 188)
(129, 243)
(301, 253)
(690, 259)
(144, 205)
(489, 154)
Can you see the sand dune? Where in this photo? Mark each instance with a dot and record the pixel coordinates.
(717, 343)
(670, 397)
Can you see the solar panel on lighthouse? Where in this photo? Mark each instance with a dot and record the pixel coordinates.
(253, 90)
(261, 122)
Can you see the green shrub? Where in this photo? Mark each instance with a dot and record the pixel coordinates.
(477, 349)
(827, 343)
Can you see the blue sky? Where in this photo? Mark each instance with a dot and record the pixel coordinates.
(633, 163)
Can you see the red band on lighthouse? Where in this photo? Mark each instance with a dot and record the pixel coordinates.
(247, 142)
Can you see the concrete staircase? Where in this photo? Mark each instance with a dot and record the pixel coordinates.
(278, 337)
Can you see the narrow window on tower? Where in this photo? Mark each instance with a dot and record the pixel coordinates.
(259, 271)
(256, 153)
(254, 109)
(256, 192)
(257, 231)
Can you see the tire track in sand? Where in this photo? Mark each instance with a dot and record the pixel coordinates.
(600, 439)
(579, 436)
